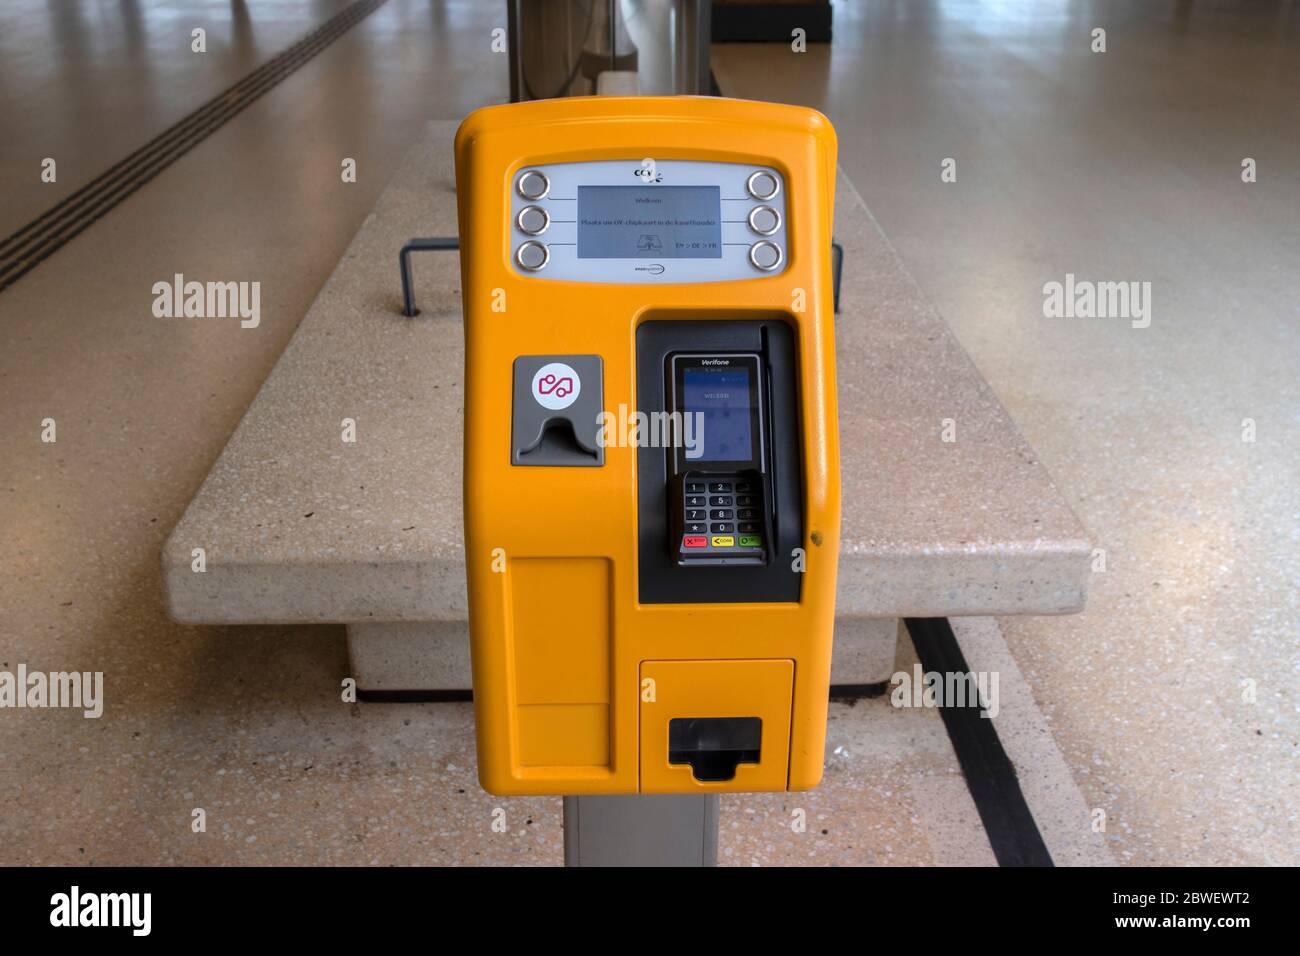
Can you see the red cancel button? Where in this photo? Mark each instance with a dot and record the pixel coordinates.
(695, 541)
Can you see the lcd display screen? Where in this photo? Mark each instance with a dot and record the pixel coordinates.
(721, 397)
(649, 222)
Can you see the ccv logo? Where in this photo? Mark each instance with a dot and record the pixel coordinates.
(648, 172)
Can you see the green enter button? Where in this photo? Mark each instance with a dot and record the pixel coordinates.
(750, 541)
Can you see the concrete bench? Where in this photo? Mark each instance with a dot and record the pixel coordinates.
(299, 526)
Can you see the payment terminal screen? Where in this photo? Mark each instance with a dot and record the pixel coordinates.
(649, 222)
(721, 396)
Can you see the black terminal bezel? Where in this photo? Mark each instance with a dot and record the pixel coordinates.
(682, 362)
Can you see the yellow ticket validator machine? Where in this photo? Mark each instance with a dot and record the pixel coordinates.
(651, 451)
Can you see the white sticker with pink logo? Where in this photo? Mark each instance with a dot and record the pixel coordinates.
(556, 386)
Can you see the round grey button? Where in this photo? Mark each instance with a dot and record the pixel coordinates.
(762, 185)
(765, 255)
(533, 184)
(764, 220)
(532, 255)
(533, 220)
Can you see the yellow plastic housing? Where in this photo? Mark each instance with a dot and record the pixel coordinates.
(561, 647)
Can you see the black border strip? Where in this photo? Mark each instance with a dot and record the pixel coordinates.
(990, 775)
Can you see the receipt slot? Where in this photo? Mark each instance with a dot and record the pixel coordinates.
(651, 450)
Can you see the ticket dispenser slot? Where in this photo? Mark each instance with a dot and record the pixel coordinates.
(713, 747)
(715, 725)
(649, 616)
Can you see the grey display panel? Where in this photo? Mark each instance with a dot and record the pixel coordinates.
(719, 395)
(736, 235)
(669, 222)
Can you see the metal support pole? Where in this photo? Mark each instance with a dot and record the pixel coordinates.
(432, 244)
(641, 830)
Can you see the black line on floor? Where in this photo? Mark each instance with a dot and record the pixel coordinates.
(990, 775)
(415, 696)
(843, 692)
(838, 692)
(39, 239)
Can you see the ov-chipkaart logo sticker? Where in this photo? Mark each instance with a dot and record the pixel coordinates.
(556, 386)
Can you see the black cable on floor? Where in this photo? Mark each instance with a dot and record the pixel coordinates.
(839, 692)
(990, 775)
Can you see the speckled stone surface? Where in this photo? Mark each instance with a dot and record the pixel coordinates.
(300, 526)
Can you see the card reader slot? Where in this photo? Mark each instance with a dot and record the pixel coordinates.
(557, 445)
(555, 410)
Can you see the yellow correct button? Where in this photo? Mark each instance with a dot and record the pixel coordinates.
(724, 541)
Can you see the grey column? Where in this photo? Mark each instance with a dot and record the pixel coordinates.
(641, 830)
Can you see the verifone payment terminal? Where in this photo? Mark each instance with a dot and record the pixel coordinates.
(651, 449)
(718, 484)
